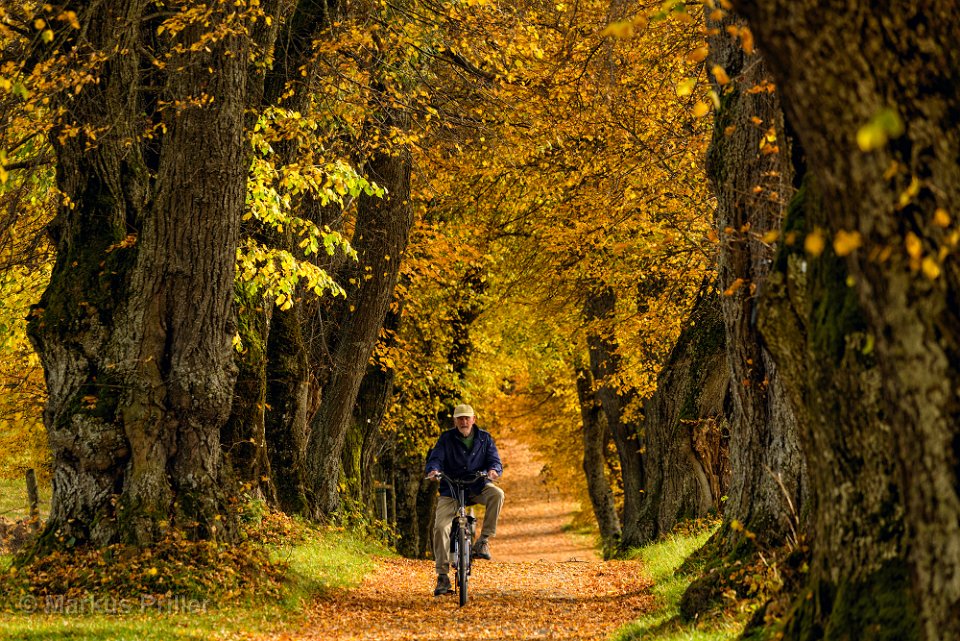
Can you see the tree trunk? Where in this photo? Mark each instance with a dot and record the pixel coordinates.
(373, 400)
(292, 399)
(871, 91)
(243, 437)
(817, 333)
(605, 365)
(750, 168)
(135, 329)
(416, 502)
(595, 438)
(466, 310)
(685, 433)
(292, 392)
(380, 237)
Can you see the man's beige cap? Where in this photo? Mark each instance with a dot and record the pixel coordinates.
(462, 410)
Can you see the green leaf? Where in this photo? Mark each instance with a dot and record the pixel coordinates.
(883, 126)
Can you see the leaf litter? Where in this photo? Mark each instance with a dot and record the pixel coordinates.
(543, 583)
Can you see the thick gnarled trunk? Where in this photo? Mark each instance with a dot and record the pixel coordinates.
(816, 331)
(751, 171)
(849, 76)
(135, 329)
(380, 238)
(685, 435)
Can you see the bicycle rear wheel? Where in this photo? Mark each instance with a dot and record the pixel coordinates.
(463, 564)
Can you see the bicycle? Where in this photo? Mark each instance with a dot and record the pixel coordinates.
(461, 534)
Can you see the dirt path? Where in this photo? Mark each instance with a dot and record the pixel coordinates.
(541, 583)
(534, 513)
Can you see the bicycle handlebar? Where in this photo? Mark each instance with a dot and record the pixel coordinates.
(446, 477)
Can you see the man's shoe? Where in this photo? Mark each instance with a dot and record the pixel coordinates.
(443, 585)
(481, 550)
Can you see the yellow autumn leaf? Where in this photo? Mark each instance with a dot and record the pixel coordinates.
(623, 29)
(698, 55)
(913, 244)
(814, 242)
(845, 242)
(720, 74)
(746, 39)
(734, 286)
(685, 87)
(910, 192)
(930, 268)
(712, 95)
(941, 217)
(884, 125)
(700, 109)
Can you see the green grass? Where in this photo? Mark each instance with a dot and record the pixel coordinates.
(328, 561)
(13, 499)
(661, 561)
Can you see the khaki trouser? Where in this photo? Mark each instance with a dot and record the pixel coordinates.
(491, 498)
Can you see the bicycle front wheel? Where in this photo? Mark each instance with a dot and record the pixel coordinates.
(463, 564)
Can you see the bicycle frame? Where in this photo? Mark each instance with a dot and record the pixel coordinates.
(460, 559)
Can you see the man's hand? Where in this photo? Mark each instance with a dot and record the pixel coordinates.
(433, 474)
(493, 475)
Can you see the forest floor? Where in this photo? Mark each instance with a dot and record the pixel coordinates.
(542, 583)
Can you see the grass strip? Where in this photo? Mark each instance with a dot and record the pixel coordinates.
(322, 561)
(662, 561)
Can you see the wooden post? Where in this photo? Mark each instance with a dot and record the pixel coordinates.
(33, 496)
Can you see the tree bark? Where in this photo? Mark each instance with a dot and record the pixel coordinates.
(817, 333)
(373, 400)
(839, 70)
(292, 399)
(380, 237)
(750, 168)
(685, 432)
(243, 437)
(605, 365)
(135, 329)
(595, 436)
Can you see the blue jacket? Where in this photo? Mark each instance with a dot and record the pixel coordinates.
(451, 457)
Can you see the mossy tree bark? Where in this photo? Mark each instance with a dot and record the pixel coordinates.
(595, 438)
(135, 329)
(243, 437)
(858, 584)
(685, 435)
(862, 68)
(380, 238)
(291, 399)
(361, 458)
(605, 365)
(750, 168)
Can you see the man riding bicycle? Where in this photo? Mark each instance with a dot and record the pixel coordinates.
(461, 453)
